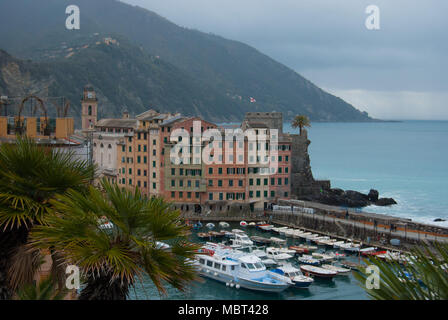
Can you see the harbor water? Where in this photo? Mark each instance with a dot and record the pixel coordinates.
(343, 287)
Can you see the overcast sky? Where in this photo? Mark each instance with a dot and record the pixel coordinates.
(397, 72)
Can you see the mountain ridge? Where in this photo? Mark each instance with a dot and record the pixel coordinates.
(224, 67)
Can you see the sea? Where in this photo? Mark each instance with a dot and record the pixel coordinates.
(406, 160)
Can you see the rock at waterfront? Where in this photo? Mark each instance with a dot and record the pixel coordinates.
(350, 198)
(439, 220)
(385, 202)
(373, 195)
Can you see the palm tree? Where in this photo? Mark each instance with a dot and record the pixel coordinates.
(424, 277)
(301, 122)
(112, 259)
(30, 176)
(46, 289)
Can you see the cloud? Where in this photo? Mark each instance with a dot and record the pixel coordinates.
(327, 42)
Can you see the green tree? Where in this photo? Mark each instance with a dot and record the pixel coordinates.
(30, 176)
(46, 289)
(300, 121)
(424, 277)
(110, 259)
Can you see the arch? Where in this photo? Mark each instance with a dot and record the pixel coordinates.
(41, 105)
(89, 110)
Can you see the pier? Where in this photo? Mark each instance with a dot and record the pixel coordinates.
(369, 228)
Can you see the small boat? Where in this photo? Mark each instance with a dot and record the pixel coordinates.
(216, 234)
(241, 240)
(237, 231)
(373, 253)
(282, 231)
(350, 247)
(339, 270)
(197, 225)
(277, 240)
(367, 250)
(210, 225)
(269, 262)
(304, 235)
(265, 227)
(224, 224)
(289, 233)
(299, 249)
(300, 281)
(339, 255)
(243, 224)
(323, 256)
(296, 234)
(278, 229)
(251, 224)
(352, 265)
(203, 235)
(326, 242)
(309, 260)
(260, 240)
(318, 272)
(277, 255)
(337, 244)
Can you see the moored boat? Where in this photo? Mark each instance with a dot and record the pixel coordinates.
(309, 260)
(239, 270)
(300, 281)
(318, 272)
(339, 270)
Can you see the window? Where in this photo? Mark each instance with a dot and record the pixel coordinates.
(230, 183)
(272, 194)
(240, 183)
(130, 149)
(209, 263)
(251, 194)
(251, 182)
(173, 171)
(173, 183)
(220, 170)
(221, 196)
(272, 182)
(181, 194)
(258, 194)
(265, 194)
(138, 159)
(258, 182)
(279, 181)
(286, 181)
(173, 194)
(265, 181)
(210, 196)
(219, 183)
(210, 170)
(210, 183)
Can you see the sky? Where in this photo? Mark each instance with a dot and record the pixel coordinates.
(396, 72)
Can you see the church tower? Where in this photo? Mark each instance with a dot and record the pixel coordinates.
(89, 107)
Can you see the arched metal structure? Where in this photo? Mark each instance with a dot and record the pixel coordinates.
(19, 124)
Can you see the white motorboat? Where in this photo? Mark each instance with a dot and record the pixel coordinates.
(283, 231)
(224, 224)
(237, 269)
(338, 244)
(339, 270)
(300, 281)
(237, 231)
(277, 255)
(265, 227)
(210, 226)
(277, 240)
(289, 233)
(243, 224)
(318, 272)
(326, 242)
(350, 247)
(278, 229)
(324, 256)
(241, 240)
(304, 235)
(297, 233)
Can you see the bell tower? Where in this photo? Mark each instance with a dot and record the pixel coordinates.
(89, 108)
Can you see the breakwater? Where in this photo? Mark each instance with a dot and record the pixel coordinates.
(370, 228)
